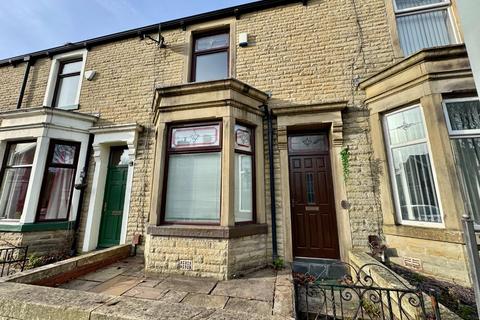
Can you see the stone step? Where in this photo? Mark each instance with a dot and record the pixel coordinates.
(325, 269)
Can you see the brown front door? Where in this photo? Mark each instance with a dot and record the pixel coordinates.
(314, 224)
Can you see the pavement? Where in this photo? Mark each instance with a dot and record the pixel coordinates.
(262, 293)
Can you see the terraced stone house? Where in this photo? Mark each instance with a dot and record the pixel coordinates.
(276, 129)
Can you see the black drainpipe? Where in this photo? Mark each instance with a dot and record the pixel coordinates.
(28, 59)
(81, 187)
(273, 209)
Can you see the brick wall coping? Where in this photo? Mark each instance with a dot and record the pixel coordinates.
(208, 232)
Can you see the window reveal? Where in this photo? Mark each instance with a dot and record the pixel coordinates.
(411, 169)
(193, 174)
(58, 181)
(16, 175)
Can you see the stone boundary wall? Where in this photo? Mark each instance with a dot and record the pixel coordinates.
(66, 270)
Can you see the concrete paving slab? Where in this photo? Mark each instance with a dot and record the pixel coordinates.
(104, 274)
(149, 283)
(82, 285)
(127, 308)
(204, 300)
(194, 285)
(253, 289)
(174, 296)
(145, 293)
(249, 306)
(117, 286)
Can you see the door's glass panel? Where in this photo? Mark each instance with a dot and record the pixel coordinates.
(414, 183)
(64, 154)
(67, 91)
(196, 137)
(13, 192)
(58, 185)
(212, 66)
(119, 157)
(410, 4)
(467, 155)
(405, 126)
(464, 115)
(21, 154)
(193, 188)
(424, 30)
(243, 138)
(308, 143)
(212, 42)
(310, 188)
(243, 188)
(71, 67)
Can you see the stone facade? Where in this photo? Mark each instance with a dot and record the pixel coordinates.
(304, 56)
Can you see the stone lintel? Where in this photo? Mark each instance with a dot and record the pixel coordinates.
(208, 232)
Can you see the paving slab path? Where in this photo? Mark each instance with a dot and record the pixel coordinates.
(262, 293)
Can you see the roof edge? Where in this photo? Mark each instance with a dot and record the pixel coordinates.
(235, 11)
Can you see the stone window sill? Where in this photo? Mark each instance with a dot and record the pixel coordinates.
(209, 232)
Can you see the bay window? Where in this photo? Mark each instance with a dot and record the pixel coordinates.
(244, 174)
(414, 185)
(210, 56)
(17, 168)
(423, 24)
(463, 122)
(193, 182)
(58, 181)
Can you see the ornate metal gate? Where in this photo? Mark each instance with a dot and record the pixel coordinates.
(356, 295)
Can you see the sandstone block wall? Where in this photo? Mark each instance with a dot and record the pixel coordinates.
(302, 54)
(214, 258)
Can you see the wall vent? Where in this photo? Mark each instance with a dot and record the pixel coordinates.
(185, 265)
(412, 263)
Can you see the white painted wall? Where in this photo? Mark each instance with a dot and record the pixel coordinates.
(469, 12)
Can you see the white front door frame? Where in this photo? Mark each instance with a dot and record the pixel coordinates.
(106, 137)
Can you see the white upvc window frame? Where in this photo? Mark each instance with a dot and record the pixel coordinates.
(240, 178)
(445, 5)
(52, 78)
(391, 170)
(460, 134)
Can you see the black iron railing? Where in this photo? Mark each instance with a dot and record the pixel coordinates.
(12, 259)
(356, 296)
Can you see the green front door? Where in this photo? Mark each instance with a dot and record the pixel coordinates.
(111, 224)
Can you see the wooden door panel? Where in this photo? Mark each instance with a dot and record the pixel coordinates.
(314, 225)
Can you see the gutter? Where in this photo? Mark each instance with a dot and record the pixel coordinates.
(273, 209)
(236, 11)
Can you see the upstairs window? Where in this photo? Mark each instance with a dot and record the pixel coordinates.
(411, 168)
(57, 188)
(423, 24)
(16, 175)
(68, 84)
(210, 56)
